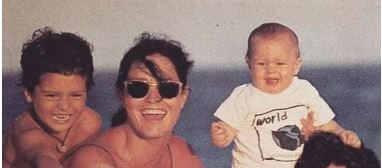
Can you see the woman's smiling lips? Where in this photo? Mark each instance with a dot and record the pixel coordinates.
(153, 114)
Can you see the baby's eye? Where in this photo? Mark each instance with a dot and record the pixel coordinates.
(281, 63)
(78, 95)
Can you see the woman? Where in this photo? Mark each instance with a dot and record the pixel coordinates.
(152, 88)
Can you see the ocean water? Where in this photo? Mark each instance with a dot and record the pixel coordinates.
(354, 93)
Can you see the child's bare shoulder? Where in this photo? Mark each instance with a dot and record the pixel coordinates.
(25, 124)
(90, 120)
(26, 134)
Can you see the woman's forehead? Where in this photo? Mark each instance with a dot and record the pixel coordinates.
(163, 68)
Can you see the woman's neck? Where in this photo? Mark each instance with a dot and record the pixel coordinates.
(142, 152)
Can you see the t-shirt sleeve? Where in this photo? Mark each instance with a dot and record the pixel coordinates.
(322, 111)
(231, 111)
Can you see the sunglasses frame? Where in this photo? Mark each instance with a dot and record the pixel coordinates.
(157, 84)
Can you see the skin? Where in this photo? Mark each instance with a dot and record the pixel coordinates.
(144, 139)
(335, 166)
(153, 102)
(59, 103)
(273, 64)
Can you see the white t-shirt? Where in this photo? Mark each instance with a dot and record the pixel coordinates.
(270, 124)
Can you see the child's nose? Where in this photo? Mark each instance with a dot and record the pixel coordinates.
(153, 95)
(63, 103)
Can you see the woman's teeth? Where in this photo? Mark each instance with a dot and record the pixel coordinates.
(154, 112)
(153, 115)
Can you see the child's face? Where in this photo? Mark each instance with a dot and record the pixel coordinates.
(58, 100)
(273, 64)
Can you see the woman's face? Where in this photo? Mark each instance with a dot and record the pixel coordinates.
(152, 116)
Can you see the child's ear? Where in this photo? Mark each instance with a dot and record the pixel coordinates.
(297, 66)
(248, 61)
(27, 95)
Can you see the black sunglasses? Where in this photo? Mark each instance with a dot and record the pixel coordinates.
(139, 89)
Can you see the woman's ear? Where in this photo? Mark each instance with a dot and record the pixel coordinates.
(183, 96)
(121, 97)
(27, 95)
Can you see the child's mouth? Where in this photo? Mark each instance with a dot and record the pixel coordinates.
(61, 118)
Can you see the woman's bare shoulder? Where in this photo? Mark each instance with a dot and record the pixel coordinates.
(183, 154)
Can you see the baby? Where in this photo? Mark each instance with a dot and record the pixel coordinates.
(57, 72)
(265, 117)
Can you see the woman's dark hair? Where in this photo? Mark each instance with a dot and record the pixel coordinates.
(147, 45)
(63, 53)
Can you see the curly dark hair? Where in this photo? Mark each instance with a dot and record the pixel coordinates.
(63, 53)
(325, 148)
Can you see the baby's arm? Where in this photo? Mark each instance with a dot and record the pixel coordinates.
(222, 134)
(347, 136)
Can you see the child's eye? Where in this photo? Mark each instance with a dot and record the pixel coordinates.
(260, 63)
(51, 96)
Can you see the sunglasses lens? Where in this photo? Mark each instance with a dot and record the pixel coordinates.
(137, 89)
(169, 89)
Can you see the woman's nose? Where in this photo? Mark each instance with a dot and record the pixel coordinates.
(153, 95)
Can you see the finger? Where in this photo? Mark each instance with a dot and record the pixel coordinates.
(344, 137)
(215, 125)
(304, 122)
(217, 132)
(354, 139)
(219, 139)
(310, 116)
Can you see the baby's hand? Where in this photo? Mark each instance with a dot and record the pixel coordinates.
(221, 134)
(307, 125)
(350, 138)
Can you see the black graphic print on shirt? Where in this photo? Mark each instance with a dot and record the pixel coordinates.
(279, 132)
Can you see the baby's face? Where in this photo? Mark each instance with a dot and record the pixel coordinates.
(273, 64)
(58, 100)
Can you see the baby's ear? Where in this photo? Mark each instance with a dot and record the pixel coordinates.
(27, 95)
(248, 61)
(297, 66)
